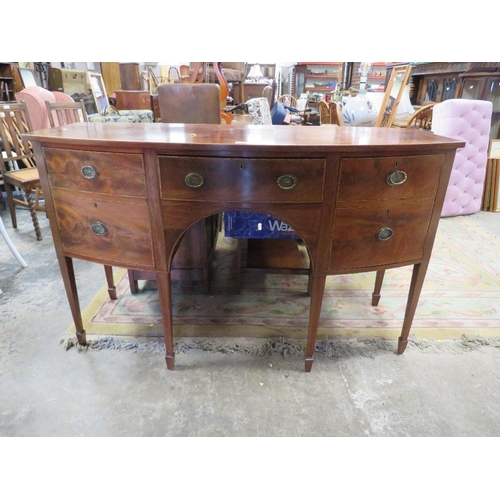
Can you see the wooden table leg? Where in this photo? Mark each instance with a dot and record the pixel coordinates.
(111, 282)
(164, 282)
(132, 282)
(417, 281)
(378, 286)
(68, 276)
(316, 289)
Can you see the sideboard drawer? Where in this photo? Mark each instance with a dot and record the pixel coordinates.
(242, 179)
(117, 173)
(382, 235)
(389, 178)
(106, 230)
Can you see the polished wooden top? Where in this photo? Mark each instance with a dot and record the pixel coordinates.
(239, 138)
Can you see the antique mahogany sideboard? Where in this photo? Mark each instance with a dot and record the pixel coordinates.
(362, 199)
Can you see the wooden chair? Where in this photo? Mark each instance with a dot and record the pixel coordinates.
(65, 113)
(18, 166)
(268, 93)
(288, 100)
(335, 113)
(189, 103)
(422, 118)
(324, 113)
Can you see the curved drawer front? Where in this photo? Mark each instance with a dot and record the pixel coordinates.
(379, 235)
(389, 178)
(249, 180)
(107, 230)
(116, 173)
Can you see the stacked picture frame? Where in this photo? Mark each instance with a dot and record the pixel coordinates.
(491, 196)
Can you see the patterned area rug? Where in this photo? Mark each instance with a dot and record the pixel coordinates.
(460, 297)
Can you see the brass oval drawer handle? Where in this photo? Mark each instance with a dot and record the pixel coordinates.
(98, 228)
(396, 178)
(384, 233)
(194, 180)
(287, 181)
(89, 172)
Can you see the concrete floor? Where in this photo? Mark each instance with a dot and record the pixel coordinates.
(48, 391)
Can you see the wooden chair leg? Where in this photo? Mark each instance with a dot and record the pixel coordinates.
(378, 286)
(38, 195)
(34, 216)
(11, 204)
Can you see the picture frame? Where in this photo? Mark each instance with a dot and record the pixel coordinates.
(494, 149)
(392, 97)
(96, 84)
(27, 77)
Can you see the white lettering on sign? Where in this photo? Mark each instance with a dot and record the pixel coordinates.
(276, 225)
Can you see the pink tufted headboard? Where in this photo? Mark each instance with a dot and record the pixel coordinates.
(470, 121)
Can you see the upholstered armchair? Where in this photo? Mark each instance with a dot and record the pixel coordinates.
(35, 98)
(468, 120)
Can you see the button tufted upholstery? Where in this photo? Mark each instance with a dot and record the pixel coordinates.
(470, 121)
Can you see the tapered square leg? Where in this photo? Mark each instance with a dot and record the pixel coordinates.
(309, 364)
(163, 281)
(316, 287)
(170, 359)
(417, 281)
(68, 275)
(402, 343)
(81, 337)
(111, 282)
(378, 286)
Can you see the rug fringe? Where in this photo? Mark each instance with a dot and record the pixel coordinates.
(333, 348)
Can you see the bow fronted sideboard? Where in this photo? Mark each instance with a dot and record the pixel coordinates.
(361, 199)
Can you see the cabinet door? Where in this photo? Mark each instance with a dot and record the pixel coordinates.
(449, 88)
(487, 89)
(492, 94)
(429, 89)
(438, 88)
(473, 88)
